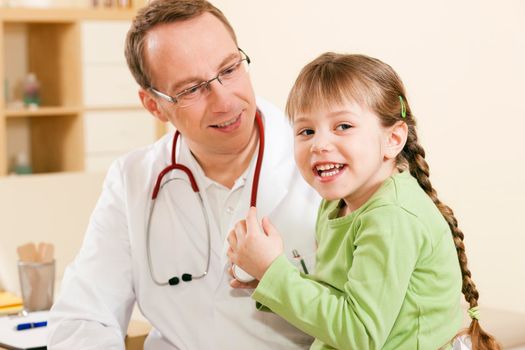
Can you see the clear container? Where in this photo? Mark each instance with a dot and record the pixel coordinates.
(37, 282)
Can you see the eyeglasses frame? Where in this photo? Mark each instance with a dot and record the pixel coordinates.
(176, 99)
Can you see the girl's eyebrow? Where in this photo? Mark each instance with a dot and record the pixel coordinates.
(299, 120)
(339, 112)
(332, 114)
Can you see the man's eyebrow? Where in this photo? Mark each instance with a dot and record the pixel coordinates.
(176, 88)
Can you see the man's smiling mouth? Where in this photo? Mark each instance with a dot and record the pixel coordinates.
(227, 123)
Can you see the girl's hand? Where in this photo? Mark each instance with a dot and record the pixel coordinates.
(253, 249)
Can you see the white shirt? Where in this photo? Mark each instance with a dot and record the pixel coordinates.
(223, 201)
(111, 271)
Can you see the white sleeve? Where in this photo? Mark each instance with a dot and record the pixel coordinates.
(97, 297)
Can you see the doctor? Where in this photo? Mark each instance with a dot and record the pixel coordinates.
(168, 254)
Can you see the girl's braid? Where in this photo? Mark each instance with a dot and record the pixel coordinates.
(414, 154)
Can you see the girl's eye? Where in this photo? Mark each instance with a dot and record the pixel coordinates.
(343, 126)
(305, 132)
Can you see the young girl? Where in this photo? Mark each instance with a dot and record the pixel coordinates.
(391, 263)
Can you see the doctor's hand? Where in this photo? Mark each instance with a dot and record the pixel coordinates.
(253, 249)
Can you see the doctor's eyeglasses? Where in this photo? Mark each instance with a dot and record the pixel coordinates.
(194, 93)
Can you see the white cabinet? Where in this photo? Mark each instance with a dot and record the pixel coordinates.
(103, 41)
(106, 77)
(109, 85)
(114, 121)
(113, 133)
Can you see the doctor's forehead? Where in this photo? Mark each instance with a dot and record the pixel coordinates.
(197, 33)
(188, 47)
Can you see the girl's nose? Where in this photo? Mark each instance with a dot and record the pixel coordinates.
(321, 145)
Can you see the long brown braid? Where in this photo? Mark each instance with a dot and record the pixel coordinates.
(414, 154)
(334, 78)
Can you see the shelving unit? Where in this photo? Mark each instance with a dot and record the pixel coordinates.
(51, 49)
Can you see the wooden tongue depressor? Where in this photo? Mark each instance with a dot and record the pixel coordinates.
(45, 252)
(27, 252)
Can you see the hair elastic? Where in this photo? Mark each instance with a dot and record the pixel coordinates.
(473, 312)
(403, 107)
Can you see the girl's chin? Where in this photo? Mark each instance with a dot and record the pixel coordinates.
(330, 196)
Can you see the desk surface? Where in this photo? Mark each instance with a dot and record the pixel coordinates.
(506, 326)
(137, 332)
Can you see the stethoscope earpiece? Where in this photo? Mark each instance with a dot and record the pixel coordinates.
(173, 281)
(186, 277)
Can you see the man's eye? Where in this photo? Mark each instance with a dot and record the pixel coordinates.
(230, 70)
(343, 126)
(191, 91)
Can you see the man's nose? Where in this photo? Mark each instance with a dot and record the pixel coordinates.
(219, 96)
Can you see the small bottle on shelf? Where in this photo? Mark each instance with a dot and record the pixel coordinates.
(22, 165)
(31, 91)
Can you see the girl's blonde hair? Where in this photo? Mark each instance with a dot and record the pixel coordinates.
(335, 78)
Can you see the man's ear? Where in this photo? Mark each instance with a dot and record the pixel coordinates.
(152, 105)
(396, 139)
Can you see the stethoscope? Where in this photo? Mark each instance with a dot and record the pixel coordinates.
(187, 277)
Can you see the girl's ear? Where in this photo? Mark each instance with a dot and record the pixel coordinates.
(152, 105)
(396, 139)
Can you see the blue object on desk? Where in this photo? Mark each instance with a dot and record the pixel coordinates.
(29, 325)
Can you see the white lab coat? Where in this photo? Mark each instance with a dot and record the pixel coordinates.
(111, 272)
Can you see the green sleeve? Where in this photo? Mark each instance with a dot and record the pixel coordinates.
(383, 255)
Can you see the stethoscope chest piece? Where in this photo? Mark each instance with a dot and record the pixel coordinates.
(241, 275)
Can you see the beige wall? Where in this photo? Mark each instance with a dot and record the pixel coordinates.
(44, 208)
(462, 63)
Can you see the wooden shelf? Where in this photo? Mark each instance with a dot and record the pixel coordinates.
(63, 15)
(48, 43)
(41, 112)
(113, 108)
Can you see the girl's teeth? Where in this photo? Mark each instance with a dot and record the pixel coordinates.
(326, 170)
(323, 167)
(329, 173)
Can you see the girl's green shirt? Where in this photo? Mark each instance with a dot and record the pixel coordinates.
(387, 275)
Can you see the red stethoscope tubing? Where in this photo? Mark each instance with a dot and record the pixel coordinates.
(186, 277)
(176, 166)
